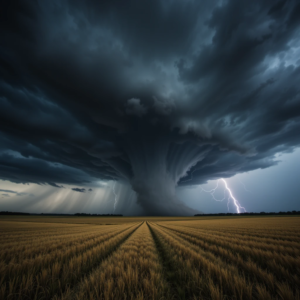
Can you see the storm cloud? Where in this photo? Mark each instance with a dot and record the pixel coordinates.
(80, 190)
(151, 93)
(7, 192)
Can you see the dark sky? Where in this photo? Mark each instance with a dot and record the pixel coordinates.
(147, 100)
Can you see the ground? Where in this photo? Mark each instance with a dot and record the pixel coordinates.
(45, 257)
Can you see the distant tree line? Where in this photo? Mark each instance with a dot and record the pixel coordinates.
(294, 212)
(97, 215)
(11, 213)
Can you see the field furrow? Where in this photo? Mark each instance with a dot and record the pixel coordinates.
(28, 237)
(252, 234)
(17, 253)
(132, 272)
(199, 277)
(157, 258)
(43, 260)
(283, 228)
(280, 263)
(248, 268)
(276, 248)
(293, 243)
(50, 275)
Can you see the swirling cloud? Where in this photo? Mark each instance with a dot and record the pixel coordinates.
(155, 94)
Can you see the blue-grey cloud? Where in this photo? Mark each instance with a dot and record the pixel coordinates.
(16, 193)
(155, 94)
(80, 190)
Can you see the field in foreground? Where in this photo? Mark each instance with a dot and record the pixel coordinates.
(150, 258)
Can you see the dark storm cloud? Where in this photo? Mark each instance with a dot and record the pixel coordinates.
(8, 191)
(153, 93)
(16, 193)
(80, 190)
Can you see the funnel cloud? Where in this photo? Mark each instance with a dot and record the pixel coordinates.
(152, 94)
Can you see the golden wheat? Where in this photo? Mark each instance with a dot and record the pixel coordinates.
(132, 272)
(149, 258)
(49, 274)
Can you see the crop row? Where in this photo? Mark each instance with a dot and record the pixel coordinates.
(134, 271)
(253, 232)
(43, 246)
(277, 228)
(50, 275)
(280, 249)
(13, 233)
(293, 243)
(280, 262)
(164, 260)
(263, 270)
(204, 273)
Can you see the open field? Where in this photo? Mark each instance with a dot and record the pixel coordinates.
(149, 258)
(88, 220)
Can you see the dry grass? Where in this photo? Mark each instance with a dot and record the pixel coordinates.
(54, 269)
(132, 272)
(72, 220)
(149, 258)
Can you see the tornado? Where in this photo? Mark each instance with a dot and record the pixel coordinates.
(157, 97)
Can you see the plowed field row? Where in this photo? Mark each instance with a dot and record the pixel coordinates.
(51, 274)
(132, 272)
(243, 273)
(286, 241)
(15, 253)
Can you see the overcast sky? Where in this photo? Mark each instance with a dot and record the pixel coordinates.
(141, 107)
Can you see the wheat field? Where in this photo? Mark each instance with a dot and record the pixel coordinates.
(149, 258)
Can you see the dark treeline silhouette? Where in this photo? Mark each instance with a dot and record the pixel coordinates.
(11, 213)
(97, 215)
(294, 212)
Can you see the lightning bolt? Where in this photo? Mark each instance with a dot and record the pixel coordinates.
(236, 203)
(212, 192)
(114, 191)
(239, 208)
